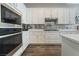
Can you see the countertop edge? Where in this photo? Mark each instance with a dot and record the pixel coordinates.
(70, 38)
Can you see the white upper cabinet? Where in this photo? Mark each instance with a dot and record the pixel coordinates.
(28, 17)
(61, 13)
(66, 16)
(60, 16)
(34, 16)
(41, 16)
(54, 12)
(47, 13)
(72, 15)
(37, 16)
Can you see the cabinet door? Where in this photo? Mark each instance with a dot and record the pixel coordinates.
(37, 15)
(60, 16)
(25, 37)
(47, 13)
(52, 37)
(37, 37)
(41, 16)
(29, 16)
(32, 37)
(66, 16)
(54, 13)
(41, 37)
(34, 17)
(63, 16)
(72, 15)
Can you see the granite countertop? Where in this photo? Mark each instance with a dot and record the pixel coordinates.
(72, 37)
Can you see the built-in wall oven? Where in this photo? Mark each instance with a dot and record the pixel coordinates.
(8, 16)
(9, 44)
(10, 36)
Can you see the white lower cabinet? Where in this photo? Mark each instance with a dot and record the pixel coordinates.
(37, 37)
(49, 37)
(69, 47)
(52, 37)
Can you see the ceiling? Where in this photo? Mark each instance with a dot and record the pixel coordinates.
(38, 5)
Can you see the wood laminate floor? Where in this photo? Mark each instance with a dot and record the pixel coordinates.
(43, 50)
